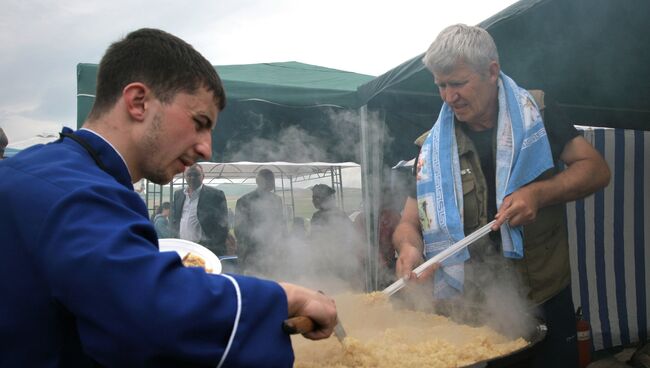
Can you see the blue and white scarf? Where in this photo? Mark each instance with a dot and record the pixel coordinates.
(523, 153)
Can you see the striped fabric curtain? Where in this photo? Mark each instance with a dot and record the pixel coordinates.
(609, 237)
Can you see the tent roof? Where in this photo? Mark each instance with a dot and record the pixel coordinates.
(291, 84)
(588, 55)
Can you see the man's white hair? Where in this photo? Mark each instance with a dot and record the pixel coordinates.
(461, 43)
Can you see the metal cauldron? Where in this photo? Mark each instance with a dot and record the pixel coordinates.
(518, 358)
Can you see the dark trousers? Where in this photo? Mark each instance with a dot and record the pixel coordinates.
(560, 348)
(219, 249)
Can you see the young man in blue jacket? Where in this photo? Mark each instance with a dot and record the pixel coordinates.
(81, 277)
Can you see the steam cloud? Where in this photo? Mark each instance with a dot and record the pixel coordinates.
(290, 142)
(329, 259)
(336, 260)
(333, 136)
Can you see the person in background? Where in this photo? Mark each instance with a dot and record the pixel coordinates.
(161, 221)
(323, 199)
(490, 145)
(388, 219)
(332, 229)
(83, 282)
(298, 229)
(259, 224)
(200, 212)
(231, 217)
(3, 143)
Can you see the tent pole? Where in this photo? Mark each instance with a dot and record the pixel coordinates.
(284, 199)
(293, 202)
(371, 279)
(372, 139)
(341, 186)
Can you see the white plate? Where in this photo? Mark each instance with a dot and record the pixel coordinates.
(182, 247)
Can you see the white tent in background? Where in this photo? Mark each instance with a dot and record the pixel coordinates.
(42, 138)
(285, 173)
(245, 171)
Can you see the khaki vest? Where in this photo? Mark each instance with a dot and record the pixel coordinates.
(544, 270)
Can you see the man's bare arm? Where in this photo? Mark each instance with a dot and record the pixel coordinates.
(407, 240)
(586, 173)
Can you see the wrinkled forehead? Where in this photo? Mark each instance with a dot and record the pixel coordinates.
(460, 70)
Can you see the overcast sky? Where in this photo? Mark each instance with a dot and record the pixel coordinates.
(43, 41)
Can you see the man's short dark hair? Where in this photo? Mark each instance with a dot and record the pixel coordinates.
(162, 61)
(265, 179)
(266, 174)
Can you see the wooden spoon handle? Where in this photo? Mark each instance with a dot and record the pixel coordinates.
(298, 325)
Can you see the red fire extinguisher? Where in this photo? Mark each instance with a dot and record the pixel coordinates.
(584, 339)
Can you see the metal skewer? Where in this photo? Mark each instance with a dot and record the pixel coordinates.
(453, 249)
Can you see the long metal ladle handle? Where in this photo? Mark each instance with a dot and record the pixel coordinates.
(453, 249)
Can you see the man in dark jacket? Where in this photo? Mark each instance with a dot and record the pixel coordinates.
(200, 212)
(259, 223)
(332, 230)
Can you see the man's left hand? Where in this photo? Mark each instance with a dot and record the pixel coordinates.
(519, 208)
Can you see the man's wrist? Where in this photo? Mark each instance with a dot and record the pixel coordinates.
(407, 244)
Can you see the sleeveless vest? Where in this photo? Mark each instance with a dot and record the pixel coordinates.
(544, 270)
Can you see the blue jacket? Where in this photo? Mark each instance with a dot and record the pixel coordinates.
(82, 280)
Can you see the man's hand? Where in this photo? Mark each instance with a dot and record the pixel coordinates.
(586, 172)
(317, 306)
(519, 208)
(409, 258)
(407, 240)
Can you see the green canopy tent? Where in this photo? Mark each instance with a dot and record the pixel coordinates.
(286, 111)
(591, 56)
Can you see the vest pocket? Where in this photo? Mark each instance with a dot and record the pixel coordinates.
(546, 254)
(470, 203)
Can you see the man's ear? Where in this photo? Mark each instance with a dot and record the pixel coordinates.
(136, 96)
(494, 70)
